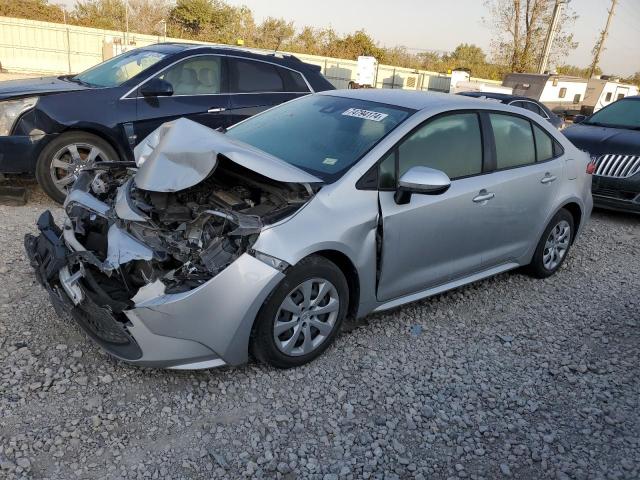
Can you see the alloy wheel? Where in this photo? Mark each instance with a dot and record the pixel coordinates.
(69, 160)
(306, 317)
(556, 245)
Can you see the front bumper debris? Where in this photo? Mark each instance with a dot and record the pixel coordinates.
(48, 255)
(202, 328)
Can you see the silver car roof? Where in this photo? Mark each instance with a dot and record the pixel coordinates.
(409, 98)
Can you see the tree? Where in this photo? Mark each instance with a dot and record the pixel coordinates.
(272, 33)
(107, 14)
(575, 71)
(521, 27)
(468, 56)
(32, 9)
(354, 45)
(634, 79)
(145, 15)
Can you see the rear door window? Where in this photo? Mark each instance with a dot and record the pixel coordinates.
(250, 76)
(514, 141)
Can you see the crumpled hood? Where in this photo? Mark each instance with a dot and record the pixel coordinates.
(182, 153)
(602, 140)
(36, 86)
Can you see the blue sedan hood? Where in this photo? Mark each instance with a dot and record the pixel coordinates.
(26, 87)
(602, 140)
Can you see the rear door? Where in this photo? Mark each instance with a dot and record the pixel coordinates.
(199, 94)
(434, 238)
(526, 182)
(257, 85)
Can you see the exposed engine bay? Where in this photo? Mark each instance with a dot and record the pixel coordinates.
(192, 203)
(191, 234)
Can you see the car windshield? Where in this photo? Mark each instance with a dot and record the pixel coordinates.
(622, 114)
(118, 70)
(321, 134)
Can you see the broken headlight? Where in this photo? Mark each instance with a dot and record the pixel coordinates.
(273, 262)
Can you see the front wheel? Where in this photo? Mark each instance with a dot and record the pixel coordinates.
(62, 159)
(302, 316)
(553, 246)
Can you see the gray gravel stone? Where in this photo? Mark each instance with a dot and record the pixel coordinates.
(531, 379)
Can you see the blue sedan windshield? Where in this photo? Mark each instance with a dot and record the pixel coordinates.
(322, 134)
(622, 114)
(118, 70)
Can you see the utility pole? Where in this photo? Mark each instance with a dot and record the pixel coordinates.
(553, 28)
(603, 35)
(126, 23)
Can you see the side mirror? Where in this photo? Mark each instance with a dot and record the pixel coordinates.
(422, 180)
(156, 87)
(579, 118)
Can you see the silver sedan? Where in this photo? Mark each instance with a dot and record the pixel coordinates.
(263, 239)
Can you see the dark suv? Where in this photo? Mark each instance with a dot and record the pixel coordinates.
(612, 137)
(56, 125)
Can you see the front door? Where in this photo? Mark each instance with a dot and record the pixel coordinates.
(199, 94)
(435, 238)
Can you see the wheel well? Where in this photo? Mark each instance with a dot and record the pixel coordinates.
(351, 274)
(576, 213)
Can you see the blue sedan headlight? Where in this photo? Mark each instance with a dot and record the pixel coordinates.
(10, 111)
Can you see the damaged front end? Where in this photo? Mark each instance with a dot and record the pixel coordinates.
(191, 205)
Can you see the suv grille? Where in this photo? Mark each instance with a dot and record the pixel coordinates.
(620, 166)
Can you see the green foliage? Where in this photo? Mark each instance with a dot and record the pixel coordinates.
(633, 79)
(574, 71)
(107, 14)
(31, 9)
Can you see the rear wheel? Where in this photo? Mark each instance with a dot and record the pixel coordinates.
(63, 158)
(302, 316)
(553, 246)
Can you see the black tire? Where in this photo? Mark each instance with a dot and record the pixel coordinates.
(263, 344)
(537, 266)
(43, 166)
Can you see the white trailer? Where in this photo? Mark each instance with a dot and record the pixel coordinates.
(604, 90)
(561, 93)
(477, 86)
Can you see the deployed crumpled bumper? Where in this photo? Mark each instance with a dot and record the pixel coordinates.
(205, 327)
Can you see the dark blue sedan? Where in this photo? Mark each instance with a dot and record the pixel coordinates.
(53, 126)
(612, 137)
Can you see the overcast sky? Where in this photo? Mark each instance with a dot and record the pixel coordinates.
(443, 24)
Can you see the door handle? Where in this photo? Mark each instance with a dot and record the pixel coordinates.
(216, 110)
(484, 196)
(548, 178)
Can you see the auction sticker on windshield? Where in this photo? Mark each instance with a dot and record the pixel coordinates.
(366, 114)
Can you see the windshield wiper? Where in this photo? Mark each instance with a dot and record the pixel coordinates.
(81, 82)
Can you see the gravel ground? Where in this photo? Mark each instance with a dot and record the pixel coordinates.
(510, 377)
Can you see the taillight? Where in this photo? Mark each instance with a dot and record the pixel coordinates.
(591, 168)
